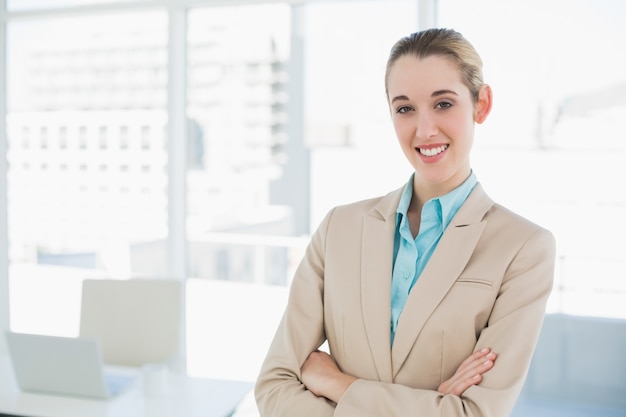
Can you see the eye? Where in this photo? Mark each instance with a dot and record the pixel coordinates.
(403, 109)
(443, 105)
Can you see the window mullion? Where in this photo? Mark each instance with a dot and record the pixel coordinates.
(4, 244)
(177, 151)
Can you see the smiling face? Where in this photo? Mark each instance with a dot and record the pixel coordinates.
(434, 115)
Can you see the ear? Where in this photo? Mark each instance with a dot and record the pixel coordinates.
(483, 105)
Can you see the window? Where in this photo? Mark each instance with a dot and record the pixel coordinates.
(249, 201)
(63, 137)
(284, 112)
(69, 90)
(25, 137)
(247, 168)
(43, 138)
(82, 137)
(145, 137)
(102, 139)
(234, 71)
(346, 123)
(559, 110)
(124, 137)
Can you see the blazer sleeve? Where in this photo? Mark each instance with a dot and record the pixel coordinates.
(279, 391)
(512, 331)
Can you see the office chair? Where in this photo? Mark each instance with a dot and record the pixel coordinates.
(136, 321)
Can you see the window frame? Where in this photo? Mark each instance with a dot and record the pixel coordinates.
(177, 10)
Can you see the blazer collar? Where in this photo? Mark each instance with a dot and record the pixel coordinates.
(460, 239)
(376, 261)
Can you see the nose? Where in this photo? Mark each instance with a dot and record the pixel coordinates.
(425, 125)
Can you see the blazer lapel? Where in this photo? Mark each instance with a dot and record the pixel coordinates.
(444, 267)
(376, 263)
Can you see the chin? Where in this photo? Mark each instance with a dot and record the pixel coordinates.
(433, 177)
(438, 180)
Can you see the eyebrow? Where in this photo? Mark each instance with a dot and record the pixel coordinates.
(434, 94)
(442, 92)
(401, 97)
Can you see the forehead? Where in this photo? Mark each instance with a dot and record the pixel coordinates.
(412, 74)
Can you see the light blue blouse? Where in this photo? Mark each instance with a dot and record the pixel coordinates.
(412, 255)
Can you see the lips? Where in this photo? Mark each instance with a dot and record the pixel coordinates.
(432, 151)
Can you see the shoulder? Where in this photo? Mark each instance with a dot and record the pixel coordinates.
(505, 217)
(479, 207)
(506, 227)
(381, 207)
(349, 217)
(502, 224)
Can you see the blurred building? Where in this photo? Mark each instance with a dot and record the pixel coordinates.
(88, 145)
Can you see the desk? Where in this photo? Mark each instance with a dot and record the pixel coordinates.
(183, 397)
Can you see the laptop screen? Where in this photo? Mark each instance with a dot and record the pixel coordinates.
(58, 365)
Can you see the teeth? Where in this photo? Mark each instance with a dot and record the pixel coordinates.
(433, 151)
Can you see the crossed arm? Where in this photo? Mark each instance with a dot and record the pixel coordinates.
(322, 376)
(293, 381)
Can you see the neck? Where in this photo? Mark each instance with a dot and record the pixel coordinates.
(424, 190)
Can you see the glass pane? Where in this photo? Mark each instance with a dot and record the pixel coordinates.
(236, 106)
(557, 128)
(354, 150)
(239, 103)
(87, 158)
(238, 235)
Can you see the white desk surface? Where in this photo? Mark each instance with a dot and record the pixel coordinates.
(183, 397)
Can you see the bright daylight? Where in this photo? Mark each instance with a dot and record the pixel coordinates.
(168, 169)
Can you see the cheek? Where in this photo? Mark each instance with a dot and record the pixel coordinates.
(403, 131)
(461, 127)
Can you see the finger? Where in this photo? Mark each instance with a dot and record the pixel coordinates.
(476, 361)
(462, 385)
(476, 355)
(470, 373)
(472, 376)
(479, 365)
(473, 359)
(477, 368)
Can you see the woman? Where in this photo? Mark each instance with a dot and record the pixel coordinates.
(416, 291)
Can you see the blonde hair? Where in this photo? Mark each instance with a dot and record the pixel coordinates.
(446, 43)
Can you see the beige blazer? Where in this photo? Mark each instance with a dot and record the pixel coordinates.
(486, 284)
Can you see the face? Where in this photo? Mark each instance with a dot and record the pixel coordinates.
(434, 116)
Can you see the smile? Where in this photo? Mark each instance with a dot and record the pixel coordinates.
(433, 151)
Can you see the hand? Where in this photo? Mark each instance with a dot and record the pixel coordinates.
(469, 373)
(322, 376)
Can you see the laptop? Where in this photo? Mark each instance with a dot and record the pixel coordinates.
(64, 366)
